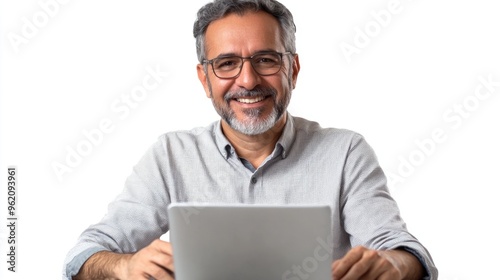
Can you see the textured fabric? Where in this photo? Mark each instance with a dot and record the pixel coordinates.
(309, 165)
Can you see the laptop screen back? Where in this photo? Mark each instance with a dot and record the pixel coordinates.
(228, 242)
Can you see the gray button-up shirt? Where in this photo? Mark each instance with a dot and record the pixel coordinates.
(309, 165)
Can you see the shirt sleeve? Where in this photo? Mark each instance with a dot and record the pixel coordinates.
(134, 219)
(371, 216)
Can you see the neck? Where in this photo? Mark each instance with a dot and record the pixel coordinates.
(254, 148)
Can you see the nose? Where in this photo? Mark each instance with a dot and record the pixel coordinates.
(248, 78)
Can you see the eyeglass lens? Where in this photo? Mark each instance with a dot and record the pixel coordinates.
(263, 64)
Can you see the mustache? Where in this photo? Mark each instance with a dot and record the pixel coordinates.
(242, 93)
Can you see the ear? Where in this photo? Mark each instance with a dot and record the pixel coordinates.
(202, 76)
(296, 69)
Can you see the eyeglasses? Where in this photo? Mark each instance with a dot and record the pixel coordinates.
(264, 63)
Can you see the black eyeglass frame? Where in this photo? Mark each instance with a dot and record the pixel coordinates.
(211, 62)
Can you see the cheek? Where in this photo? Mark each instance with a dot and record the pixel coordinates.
(286, 82)
(220, 87)
(286, 77)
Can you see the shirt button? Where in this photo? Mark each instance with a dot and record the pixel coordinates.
(253, 180)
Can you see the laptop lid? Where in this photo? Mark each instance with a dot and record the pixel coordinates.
(228, 242)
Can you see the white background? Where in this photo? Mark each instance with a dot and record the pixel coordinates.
(395, 90)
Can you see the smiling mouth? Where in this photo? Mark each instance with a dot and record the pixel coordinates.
(250, 100)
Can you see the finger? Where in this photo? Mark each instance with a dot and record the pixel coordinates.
(162, 246)
(385, 270)
(365, 268)
(342, 266)
(161, 255)
(163, 261)
(159, 273)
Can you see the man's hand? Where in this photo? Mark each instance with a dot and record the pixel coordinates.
(362, 263)
(154, 261)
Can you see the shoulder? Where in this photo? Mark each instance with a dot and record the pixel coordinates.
(315, 132)
(187, 138)
(179, 147)
(195, 132)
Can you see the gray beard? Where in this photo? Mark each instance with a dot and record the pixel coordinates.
(252, 124)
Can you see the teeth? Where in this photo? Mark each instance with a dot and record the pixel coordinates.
(250, 101)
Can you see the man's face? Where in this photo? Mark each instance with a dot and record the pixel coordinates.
(249, 103)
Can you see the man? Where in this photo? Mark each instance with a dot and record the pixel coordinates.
(257, 153)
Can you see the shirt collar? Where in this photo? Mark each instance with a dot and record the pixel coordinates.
(221, 141)
(287, 137)
(282, 147)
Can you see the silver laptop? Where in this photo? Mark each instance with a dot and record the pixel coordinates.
(249, 242)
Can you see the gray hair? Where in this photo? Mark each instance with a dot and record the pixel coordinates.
(220, 8)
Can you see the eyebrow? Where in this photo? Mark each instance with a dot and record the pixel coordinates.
(222, 55)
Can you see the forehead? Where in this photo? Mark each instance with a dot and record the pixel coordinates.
(243, 34)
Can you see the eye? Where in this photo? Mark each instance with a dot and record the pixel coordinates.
(227, 63)
(267, 60)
